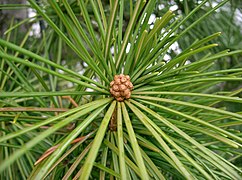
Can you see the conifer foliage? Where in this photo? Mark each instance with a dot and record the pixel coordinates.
(129, 114)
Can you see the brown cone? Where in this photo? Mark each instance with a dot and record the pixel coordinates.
(121, 87)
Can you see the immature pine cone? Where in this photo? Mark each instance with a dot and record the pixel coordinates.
(121, 87)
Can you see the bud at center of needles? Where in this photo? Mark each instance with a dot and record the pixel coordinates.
(121, 87)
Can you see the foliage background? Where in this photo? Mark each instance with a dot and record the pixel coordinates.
(20, 78)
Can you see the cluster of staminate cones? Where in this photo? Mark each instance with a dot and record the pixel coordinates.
(121, 87)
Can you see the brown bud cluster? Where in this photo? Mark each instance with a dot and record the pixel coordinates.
(121, 87)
